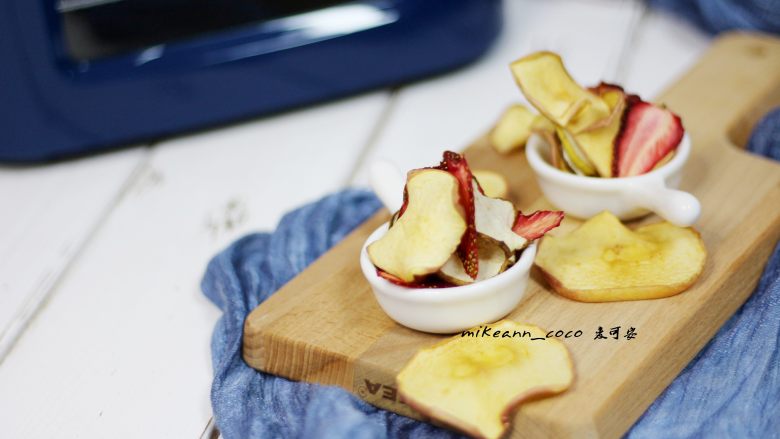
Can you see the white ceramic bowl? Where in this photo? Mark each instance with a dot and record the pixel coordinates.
(626, 197)
(449, 310)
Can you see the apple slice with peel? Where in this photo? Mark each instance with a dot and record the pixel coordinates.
(494, 218)
(493, 260)
(590, 117)
(649, 133)
(535, 225)
(604, 261)
(429, 230)
(615, 98)
(604, 87)
(474, 383)
(550, 89)
(556, 151)
(598, 144)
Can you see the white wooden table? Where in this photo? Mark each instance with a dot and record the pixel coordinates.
(103, 329)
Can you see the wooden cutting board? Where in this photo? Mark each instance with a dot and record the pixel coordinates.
(325, 326)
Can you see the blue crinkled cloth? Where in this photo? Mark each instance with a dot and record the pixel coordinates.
(731, 389)
(716, 16)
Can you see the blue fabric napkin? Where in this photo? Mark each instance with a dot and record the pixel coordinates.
(731, 389)
(716, 16)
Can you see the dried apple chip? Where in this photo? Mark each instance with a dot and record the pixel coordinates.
(492, 183)
(604, 261)
(429, 231)
(551, 90)
(615, 98)
(474, 383)
(494, 218)
(512, 130)
(598, 142)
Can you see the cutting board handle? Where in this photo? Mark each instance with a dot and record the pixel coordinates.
(737, 80)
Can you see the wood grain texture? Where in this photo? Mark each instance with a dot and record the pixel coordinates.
(326, 327)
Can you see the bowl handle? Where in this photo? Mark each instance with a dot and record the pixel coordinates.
(678, 207)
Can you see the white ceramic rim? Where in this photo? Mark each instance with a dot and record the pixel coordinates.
(449, 294)
(542, 167)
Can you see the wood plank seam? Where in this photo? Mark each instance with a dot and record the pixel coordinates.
(374, 135)
(50, 282)
(627, 53)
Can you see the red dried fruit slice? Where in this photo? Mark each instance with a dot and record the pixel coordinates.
(535, 225)
(456, 165)
(428, 282)
(647, 135)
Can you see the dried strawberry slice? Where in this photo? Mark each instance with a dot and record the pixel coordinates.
(429, 282)
(535, 225)
(456, 165)
(648, 133)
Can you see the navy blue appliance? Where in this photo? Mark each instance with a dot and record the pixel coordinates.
(79, 76)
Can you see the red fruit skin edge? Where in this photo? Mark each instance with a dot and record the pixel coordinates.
(405, 203)
(535, 225)
(603, 87)
(425, 283)
(457, 165)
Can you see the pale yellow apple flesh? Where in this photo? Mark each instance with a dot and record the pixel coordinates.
(603, 261)
(475, 383)
(494, 218)
(616, 101)
(551, 90)
(424, 238)
(512, 130)
(493, 183)
(598, 142)
(574, 157)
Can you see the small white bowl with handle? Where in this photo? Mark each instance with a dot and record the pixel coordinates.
(626, 197)
(440, 310)
(452, 309)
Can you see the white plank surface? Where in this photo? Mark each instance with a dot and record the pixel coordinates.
(664, 48)
(122, 347)
(449, 112)
(48, 212)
